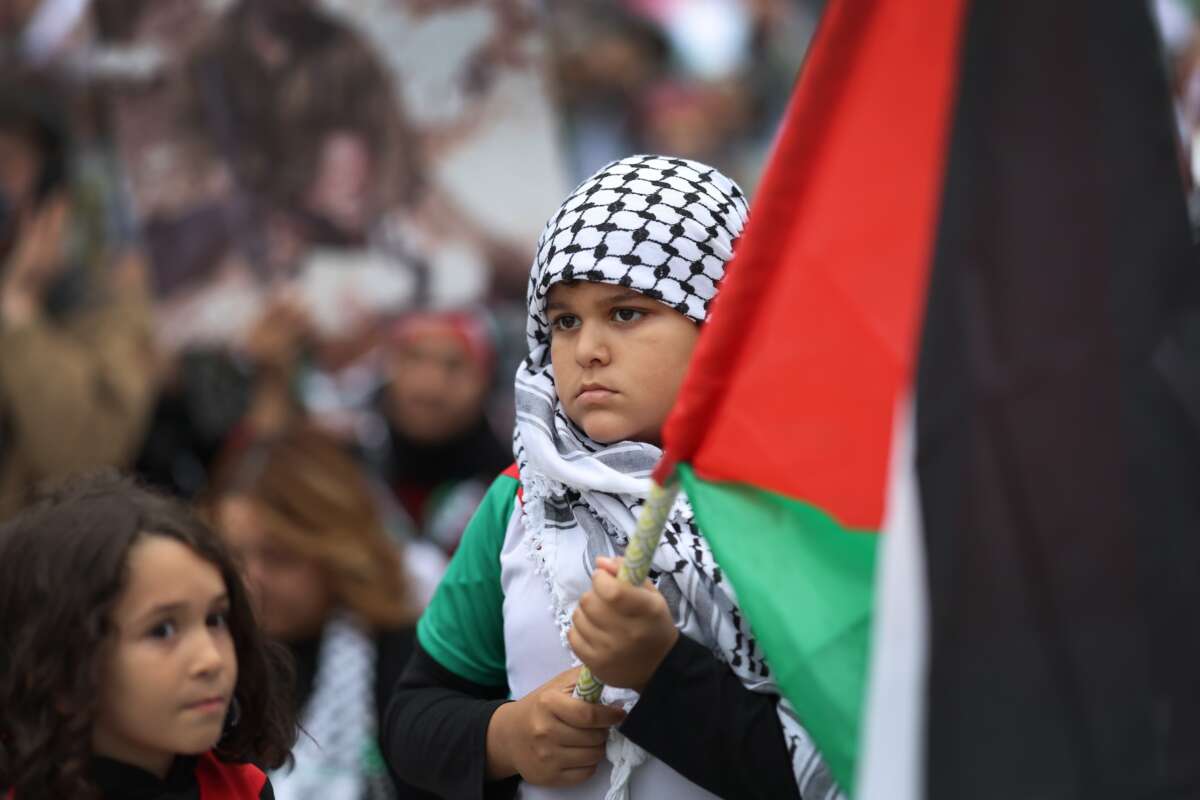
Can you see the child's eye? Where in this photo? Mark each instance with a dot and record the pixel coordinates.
(566, 322)
(218, 619)
(163, 630)
(627, 314)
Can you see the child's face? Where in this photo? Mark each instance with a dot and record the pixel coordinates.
(168, 668)
(619, 358)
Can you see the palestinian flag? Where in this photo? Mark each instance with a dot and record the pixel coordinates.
(965, 315)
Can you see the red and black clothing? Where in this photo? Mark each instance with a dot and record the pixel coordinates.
(203, 777)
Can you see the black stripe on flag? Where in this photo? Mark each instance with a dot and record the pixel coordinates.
(1059, 469)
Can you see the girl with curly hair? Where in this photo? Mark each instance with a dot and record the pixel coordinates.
(131, 663)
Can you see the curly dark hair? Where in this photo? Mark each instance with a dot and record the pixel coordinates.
(62, 570)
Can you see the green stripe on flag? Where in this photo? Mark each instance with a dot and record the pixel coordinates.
(805, 583)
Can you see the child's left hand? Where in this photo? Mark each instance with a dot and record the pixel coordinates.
(621, 632)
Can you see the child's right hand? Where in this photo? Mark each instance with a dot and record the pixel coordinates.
(549, 737)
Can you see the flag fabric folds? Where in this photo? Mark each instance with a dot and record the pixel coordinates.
(967, 280)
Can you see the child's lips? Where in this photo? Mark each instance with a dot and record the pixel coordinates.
(592, 395)
(209, 705)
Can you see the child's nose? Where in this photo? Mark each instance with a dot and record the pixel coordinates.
(591, 346)
(208, 657)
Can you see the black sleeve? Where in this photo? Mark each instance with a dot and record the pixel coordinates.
(434, 733)
(266, 793)
(734, 746)
(393, 650)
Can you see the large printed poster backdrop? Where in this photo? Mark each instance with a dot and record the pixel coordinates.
(365, 155)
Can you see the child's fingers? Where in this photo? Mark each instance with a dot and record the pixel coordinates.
(610, 565)
(573, 738)
(582, 757)
(602, 624)
(598, 611)
(581, 645)
(587, 639)
(621, 598)
(570, 777)
(565, 681)
(580, 714)
(606, 586)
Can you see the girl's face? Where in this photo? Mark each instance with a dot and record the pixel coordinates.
(619, 359)
(169, 668)
(291, 594)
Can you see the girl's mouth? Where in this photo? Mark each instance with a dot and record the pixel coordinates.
(209, 705)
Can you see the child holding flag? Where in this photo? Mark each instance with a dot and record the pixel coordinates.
(624, 275)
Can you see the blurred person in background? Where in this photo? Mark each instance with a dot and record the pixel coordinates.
(706, 79)
(696, 121)
(423, 431)
(263, 258)
(605, 55)
(328, 581)
(440, 452)
(77, 370)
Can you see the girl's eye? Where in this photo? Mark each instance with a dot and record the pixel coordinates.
(566, 322)
(163, 630)
(627, 314)
(218, 619)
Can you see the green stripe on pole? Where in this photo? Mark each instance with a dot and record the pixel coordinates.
(806, 585)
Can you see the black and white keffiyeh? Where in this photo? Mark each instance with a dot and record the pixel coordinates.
(337, 755)
(664, 227)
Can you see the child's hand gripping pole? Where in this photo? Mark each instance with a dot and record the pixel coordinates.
(636, 564)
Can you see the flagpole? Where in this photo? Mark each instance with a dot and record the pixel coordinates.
(638, 556)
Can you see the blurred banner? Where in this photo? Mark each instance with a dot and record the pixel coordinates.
(364, 156)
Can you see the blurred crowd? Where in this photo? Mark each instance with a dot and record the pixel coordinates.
(220, 220)
(703, 79)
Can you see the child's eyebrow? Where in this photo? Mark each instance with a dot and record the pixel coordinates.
(623, 296)
(180, 605)
(162, 608)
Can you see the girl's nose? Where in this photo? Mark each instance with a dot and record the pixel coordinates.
(209, 657)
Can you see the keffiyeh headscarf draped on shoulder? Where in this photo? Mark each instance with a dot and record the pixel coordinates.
(664, 227)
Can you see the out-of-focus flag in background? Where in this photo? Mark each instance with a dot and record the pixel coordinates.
(961, 316)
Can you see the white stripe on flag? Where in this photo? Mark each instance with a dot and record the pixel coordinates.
(892, 762)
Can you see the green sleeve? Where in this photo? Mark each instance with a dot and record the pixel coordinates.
(463, 627)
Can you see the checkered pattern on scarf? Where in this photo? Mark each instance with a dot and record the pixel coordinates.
(664, 227)
(334, 757)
